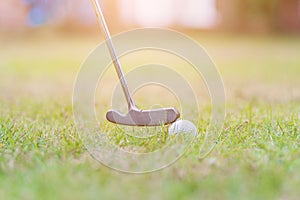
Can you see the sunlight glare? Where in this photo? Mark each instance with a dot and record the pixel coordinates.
(187, 13)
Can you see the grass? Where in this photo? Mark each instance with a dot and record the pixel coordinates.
(256, 157)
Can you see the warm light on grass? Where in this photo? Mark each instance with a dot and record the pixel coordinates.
(257, 156)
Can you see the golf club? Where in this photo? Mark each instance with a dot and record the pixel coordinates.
(135, 116)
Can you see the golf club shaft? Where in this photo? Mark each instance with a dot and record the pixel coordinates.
(113, 53)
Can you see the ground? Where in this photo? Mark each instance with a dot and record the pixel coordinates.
(256, 157)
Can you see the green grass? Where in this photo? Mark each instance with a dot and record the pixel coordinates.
(256, 157)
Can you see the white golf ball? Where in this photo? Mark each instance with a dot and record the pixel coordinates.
(183, 126)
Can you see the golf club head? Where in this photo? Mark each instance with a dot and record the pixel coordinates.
(136, 117)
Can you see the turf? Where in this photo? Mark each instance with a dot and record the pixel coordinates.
(256, 157)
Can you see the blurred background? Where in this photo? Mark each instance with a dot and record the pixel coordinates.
(254, 43)
(233, 15)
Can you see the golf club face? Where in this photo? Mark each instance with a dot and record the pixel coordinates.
(136, 117)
